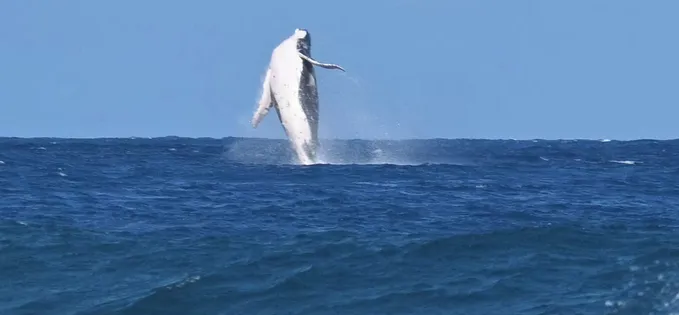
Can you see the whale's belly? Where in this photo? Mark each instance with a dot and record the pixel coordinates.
(286, 75)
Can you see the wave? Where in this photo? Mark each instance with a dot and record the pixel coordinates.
(332, 272)
(418, 152)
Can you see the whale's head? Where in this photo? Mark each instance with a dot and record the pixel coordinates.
(303, 39)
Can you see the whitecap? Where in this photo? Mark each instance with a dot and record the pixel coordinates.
(624, 162)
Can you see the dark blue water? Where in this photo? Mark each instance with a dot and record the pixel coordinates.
(212, 226)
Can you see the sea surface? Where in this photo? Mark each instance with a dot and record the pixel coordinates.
(234, 226)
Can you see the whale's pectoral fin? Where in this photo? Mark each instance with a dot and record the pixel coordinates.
(265, 101)
(320, 64)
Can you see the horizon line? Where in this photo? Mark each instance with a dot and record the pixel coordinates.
(328, 139)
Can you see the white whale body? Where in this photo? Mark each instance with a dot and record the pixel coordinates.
(290, 86)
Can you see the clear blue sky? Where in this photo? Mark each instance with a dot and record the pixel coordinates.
(415, 69)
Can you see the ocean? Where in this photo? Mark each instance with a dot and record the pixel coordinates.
(232, 226)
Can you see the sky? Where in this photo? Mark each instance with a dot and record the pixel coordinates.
(415, 68)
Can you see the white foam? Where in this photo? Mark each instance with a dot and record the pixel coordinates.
(378, 159)
(624, 162)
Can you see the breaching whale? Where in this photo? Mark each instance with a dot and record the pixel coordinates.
(290, 86)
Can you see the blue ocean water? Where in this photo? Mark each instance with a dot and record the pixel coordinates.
(232, 226)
